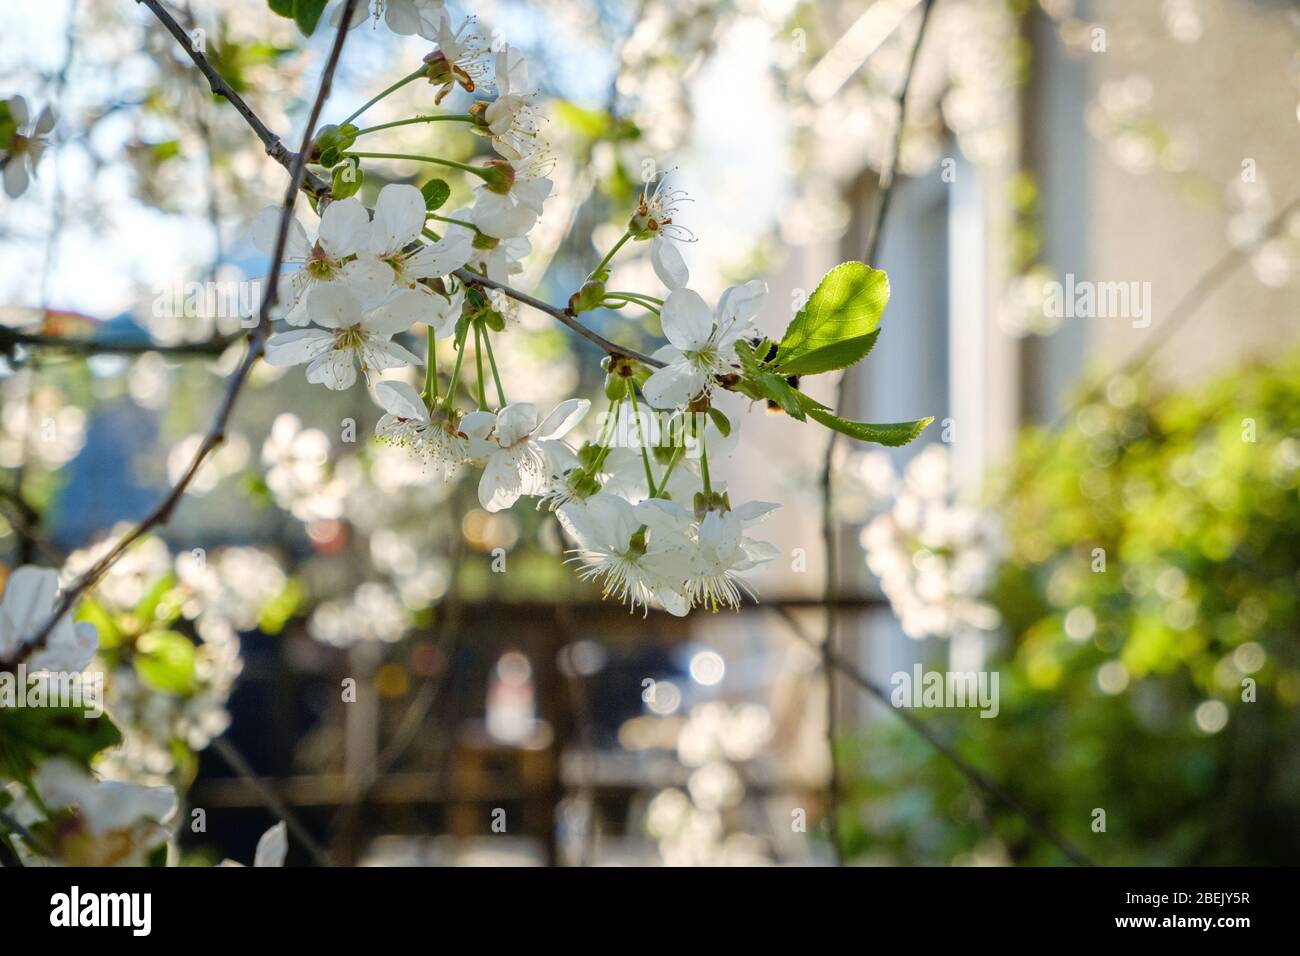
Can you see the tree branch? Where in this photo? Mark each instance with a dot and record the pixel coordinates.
(967, 770)
(564, 316)
(11, 337)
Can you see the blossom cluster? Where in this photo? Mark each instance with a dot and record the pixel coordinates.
(651, 525)
(935, 556)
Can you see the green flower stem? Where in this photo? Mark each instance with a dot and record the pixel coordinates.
(410, 78)
(430, 393)
(645, 452)
(704, 463)
(668, 472)
(610, 255)
(637, 296)
(602, 439)
(478, 360)
(430, 234)
(441, 118)
(435, 160)
(455, 372)
(457, 222)
(496, 376)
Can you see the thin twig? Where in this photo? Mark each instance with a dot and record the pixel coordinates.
(885, 191)
(563, 316)
(239, 763)
(963, 766)
(11, 337)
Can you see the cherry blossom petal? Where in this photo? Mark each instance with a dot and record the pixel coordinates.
(400, 399)
(674, 385)
(398, 313)
(687, 320)
(501, 484)
(440, 258)
(344, 228)
(668, 263)
(516, 421)
(335, 369)
(399, 218)
(333, 306)
(562, 419)
(296, 347)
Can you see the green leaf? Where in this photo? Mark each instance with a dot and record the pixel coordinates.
(146, 610)
(347, 178)
(435, 192)
(93, 612)
(759, 383)
(282, 8)
(306, 13)
(846, 305)
(893, 434)
(30, 734)
(841, 354)
(166, 661)
(720, 421)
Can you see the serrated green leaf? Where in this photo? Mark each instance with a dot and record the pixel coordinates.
(841, 354)
(436, 192)
(893, 434)
(847, 304)
(306, 13)
(165, 660)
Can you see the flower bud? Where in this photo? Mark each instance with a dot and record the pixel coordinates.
(615, 387)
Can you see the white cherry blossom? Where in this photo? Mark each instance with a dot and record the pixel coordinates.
(26, 147)
(28, 600)
(407, 423)
(398, 224)
(512, 121)
(631, 551)
(403, 17)
(703, 342)
(355, 333)
(522, 452)
(329, 258)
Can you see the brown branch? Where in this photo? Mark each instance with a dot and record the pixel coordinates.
(886, 191)
(11, 337)
(162, 511)
(963, 766)
(564, 316)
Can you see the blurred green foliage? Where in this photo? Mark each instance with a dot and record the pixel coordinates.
(1163, 689)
